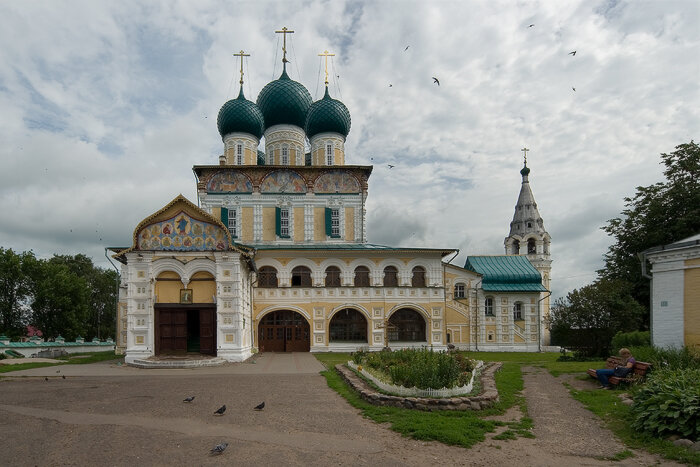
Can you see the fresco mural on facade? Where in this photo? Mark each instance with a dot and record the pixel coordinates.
(283, 181)
(231, 182)
(182, 233)
(336, 181)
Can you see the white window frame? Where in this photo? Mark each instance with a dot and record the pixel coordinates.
(488, 306)
(335, 222)
(285, 156)
(460, 290)
(284, 222)
(518, 311)
(239, 154)
(329, 153)
(233, 222)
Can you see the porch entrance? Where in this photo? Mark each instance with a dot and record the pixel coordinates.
(284, 331)
(185, 328)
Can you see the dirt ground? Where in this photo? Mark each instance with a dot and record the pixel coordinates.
(141, 420)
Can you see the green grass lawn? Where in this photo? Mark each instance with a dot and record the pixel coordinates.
(461, 428)
(73, 359)
(468, 428)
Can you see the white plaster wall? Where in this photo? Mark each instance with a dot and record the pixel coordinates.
(667, 321)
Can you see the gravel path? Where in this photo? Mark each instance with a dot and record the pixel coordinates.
(141, 419)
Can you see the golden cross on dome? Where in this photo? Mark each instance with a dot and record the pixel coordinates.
(525, 150)
(241, 54)
(326, 54)
(284, 31)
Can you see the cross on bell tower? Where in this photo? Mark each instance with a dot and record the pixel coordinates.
(284, 33)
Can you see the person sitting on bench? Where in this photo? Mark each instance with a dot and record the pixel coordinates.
(625, 367)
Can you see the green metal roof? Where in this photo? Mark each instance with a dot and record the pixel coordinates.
(240, 115)
(284, 101)
(327, 115)
(511, 273)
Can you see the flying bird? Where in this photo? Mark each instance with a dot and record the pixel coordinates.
(532, 25)
(390, 85)
(437, 81)
(406, 48)
(574, 89)
(260, 406)
(188, 399)
(219, 448)
(572, 53)
(220, 410)
(390, 166)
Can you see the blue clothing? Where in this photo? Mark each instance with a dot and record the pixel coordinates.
(603, 375)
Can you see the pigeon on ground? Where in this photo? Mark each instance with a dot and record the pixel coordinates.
(219, 448)
(436, 81)
(221, 410)
(58, 371)
(260, 406)
(63, 376)
(188, 399)
(46, 378)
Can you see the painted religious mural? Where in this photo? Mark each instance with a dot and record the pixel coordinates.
(336, 181)
(283, 181)
(182, 233)
(231, 182)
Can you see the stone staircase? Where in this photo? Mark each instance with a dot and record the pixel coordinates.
(177, 362)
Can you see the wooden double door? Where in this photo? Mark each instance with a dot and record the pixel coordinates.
(284, 331)
(182, 329)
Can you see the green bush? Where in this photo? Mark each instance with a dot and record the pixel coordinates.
(630, 339)
(2, 356)
(668, 358)
(422, 368)
(668, 404)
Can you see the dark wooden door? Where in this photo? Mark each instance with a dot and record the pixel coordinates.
(172, 331)
(207, 332)
(297, 338)
(284, 331)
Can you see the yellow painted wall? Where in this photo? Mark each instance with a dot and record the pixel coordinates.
(246, 224)
(349, 224)
(691, 301)
(298, 225)
(339, 157)
(269, 224)
(320, 224)
(168, 291)
(204, 289)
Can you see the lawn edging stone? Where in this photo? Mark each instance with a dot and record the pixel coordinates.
(487, 397)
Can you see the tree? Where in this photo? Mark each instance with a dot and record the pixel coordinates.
(16, 271)
(588, 318)
(658, 214)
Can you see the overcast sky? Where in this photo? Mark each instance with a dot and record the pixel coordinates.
(106, 106)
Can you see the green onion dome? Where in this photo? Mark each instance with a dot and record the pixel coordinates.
(284, 101)
(240, 116)
(327, 115)
(525, 170)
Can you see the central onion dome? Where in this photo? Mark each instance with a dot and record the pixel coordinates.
(284, 101)
(327, 115)
(240, 116)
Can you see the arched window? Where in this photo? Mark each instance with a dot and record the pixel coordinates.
(362, 276)
(348, 325)
(332, 276)
(518, 311)
(488, 306)
(531, 247)
(267, 277)
(459, 290)
(516, 247)
(301, 277)
(391, 278)
(406, 325)
(329, 154)
(239, 154)
(418, 279)
(285, 156)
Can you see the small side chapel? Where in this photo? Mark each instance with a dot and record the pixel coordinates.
(274, 255)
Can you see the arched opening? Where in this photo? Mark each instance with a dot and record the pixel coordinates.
(418, 277)
(391, 277)
(361, 276)
(301, 277)
(459, 290)
(516, 247)
(531, 247)
(267, 277)
(348, 325)
(332, 276)
(518, 311)
(407, 325)
(284, 331)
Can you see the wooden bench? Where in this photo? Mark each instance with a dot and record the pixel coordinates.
(640, 371)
